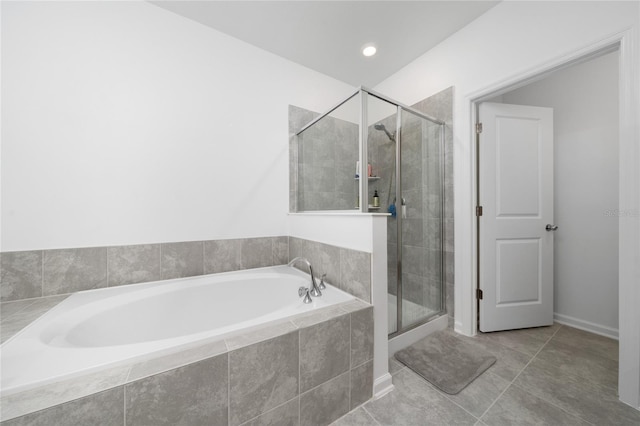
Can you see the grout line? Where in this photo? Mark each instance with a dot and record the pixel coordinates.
(371, 415)
(447, 396)
(42, 272)
(228, 387)
(299, 378)
(519, 373)
(124, 404)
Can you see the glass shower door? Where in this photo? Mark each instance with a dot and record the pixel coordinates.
(420, 220)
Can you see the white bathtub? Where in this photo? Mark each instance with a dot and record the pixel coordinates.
(96, 329)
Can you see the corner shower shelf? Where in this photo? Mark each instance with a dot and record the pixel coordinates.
(370, 177)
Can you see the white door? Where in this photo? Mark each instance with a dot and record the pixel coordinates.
(516, 195)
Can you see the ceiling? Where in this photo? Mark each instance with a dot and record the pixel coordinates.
(327, 36)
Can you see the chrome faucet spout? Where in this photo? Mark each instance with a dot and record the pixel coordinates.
(313, 287)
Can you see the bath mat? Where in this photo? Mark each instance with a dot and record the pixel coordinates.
(446, 361)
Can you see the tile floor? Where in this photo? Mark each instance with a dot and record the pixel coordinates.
(554, 375)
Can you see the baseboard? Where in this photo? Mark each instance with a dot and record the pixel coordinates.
(586, 326)
(382, 386)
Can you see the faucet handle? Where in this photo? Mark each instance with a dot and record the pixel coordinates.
(321, 286)
(303, 291)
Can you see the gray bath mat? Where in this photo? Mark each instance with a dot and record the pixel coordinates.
(446, 361)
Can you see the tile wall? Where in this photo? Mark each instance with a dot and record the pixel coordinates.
(325, 157)
(42, 273)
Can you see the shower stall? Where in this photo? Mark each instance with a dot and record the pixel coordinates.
(371, 154)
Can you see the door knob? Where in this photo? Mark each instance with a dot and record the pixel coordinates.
(551, 227)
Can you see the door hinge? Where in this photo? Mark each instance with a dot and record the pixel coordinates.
(478, 294)
(478, 210)
(478, 127)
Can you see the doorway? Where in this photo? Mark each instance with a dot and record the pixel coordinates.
(585, 156)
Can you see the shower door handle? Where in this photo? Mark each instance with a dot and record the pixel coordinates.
(551, 227)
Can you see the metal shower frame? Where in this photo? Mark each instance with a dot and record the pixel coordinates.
(363, 192)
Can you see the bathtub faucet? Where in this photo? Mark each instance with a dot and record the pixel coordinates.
(313, 289)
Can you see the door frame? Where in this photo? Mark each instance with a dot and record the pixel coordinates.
(629, 195)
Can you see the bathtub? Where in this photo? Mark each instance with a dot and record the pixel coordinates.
(97, 329)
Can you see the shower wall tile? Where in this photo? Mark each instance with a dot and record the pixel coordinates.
(251, 391)
(412, 232)
(181, 260)
(325, 403)
(21, 276)
(355, 273)
(189, 395)
(448, 235)
(133, 264)
(361, 384)
(71, 270)
(361, 336)
(324, 352)
(104, 408)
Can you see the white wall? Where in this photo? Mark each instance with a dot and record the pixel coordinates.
(124, 123)
(513, 41)
(585, 103)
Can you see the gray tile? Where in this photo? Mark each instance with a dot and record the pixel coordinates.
(361, 384)
(324, 352)
(590, 401)
(256, 252)
(263, 376)
(354, 305)
(285, 415)
(190, 395)
(361, 336)
(357, 417)
(133, 264)
(182, 259)
(280, 250)
(414, 403)
(61, 392)
(260, 333)
(222, 256)
(31, 311)
(8, 309)
(588, 342)
(355, 273)
(325, 403)
(160, 364)
(71, 270)
(326, 260)
(317, 316)
(528, 341)
(104, 408)
(480, 394)
(509, 362)
(21, 275)
(565, 359)
(518, 407)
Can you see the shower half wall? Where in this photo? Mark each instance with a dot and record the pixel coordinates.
(405, 150)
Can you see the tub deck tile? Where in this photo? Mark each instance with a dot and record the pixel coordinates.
(28, 401)
(180, 358)
(260, 333)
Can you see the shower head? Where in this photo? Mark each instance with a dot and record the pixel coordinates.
(379, 126)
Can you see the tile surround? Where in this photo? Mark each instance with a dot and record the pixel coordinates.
(190, 387)
(38, 273)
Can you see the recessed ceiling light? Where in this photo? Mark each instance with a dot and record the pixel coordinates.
(369, 50)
